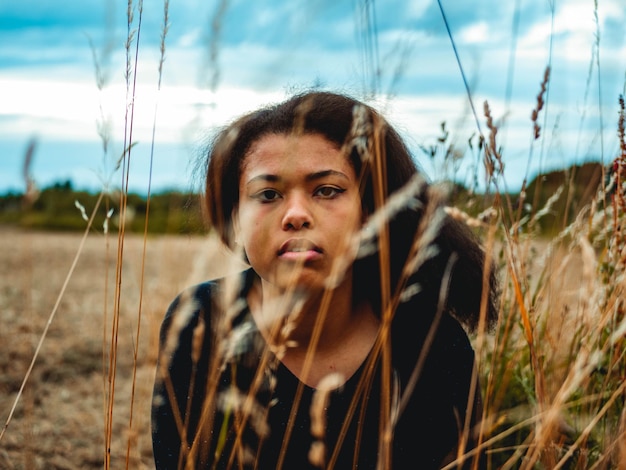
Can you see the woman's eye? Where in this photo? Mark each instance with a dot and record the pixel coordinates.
(267, 195)
(328, 192)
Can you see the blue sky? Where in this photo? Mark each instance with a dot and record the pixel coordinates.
(224, 58)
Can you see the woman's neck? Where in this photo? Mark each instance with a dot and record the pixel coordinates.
(326, 326)
(303, 311)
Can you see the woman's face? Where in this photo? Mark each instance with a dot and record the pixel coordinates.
(299, 205)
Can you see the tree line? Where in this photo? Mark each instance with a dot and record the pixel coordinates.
(60, 207)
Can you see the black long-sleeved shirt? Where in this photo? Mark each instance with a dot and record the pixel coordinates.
(201, 390)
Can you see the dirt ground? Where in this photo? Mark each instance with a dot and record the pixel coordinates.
(59, 422)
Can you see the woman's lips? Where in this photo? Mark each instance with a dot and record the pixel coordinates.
(298, 249)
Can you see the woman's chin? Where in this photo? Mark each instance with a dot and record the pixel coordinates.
(301, 282)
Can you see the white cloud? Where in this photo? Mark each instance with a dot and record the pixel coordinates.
(416, 10)
(47, 84)
(189, 38)
(476, 33)
(69, 110)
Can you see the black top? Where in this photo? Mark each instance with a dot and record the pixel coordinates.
(214, 382)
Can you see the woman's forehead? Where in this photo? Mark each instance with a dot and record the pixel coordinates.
(280, 152)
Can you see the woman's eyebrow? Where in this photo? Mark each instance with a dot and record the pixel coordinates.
(271, 178)
(265, 178)
(325, 173)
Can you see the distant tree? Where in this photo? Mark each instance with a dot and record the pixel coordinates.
(65, 186)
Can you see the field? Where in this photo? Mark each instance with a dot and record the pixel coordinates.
(59, 422)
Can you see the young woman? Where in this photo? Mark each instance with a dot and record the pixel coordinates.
(342, 346)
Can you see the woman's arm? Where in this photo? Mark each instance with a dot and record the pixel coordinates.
(178, 376)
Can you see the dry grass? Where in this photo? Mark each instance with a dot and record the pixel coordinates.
(59, 422)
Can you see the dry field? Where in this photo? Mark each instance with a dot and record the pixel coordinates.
(60, 420)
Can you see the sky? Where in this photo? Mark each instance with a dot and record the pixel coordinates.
(64, 85)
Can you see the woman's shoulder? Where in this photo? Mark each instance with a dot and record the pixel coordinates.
(189, 302)
(198, 302)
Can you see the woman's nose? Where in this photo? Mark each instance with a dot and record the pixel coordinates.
(297, 213)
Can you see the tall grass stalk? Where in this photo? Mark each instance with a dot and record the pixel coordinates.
(131, 84)
(162, 48)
